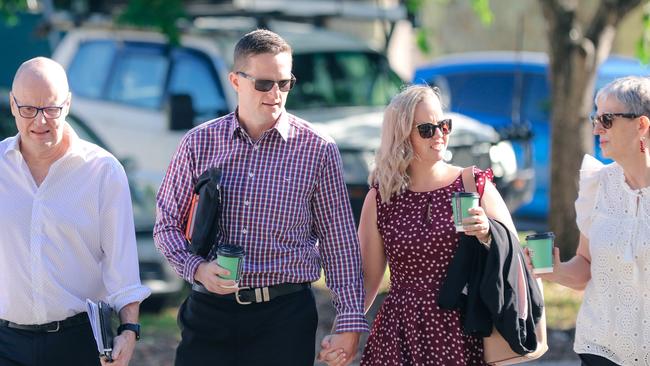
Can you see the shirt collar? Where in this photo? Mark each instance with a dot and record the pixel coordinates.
(282, 125)
(12, 145)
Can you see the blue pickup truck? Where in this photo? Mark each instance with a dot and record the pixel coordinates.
(511, 89)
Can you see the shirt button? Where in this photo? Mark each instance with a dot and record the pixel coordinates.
(246, 202)
(256, 147)
(251, 175)
(244, 231)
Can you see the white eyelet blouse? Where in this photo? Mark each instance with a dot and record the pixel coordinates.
(614, 319)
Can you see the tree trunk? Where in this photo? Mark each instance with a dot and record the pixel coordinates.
(574, 58)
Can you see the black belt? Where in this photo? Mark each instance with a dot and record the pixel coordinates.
(51, 327)
(246, 295)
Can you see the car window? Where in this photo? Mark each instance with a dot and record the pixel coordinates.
(139, 76)
(7, 122)
(481, 93)
(329, 79)
(90, 67)
(536, 103)
(192, 73)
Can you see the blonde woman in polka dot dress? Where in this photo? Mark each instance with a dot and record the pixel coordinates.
(407, 222)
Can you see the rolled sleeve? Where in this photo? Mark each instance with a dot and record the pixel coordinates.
(120, 269)
(135, 293)
(339, 245)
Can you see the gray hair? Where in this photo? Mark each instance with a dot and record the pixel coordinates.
(258, 42)
(631, 91)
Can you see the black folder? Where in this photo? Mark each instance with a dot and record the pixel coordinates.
(100, 316)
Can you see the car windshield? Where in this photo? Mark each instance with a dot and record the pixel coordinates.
(335, 79)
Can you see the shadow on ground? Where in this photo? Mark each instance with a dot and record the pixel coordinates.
(158, 349)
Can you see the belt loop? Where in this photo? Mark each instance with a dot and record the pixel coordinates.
(258, 295)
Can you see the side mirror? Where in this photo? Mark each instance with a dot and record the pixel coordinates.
(180, 112)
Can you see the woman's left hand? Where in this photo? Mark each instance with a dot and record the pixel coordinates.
(477, 224)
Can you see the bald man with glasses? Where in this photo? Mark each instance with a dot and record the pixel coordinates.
(67, 232)
(285, 203)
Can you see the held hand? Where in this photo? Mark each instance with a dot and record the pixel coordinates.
(545, 276)
(208, 274)
(477, 224)
(123, 347)
(332, 357)
(339, 349)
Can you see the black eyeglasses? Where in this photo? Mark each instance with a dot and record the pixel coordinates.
(28, 111)
(428, 129)
(607, 119)
(266, 85)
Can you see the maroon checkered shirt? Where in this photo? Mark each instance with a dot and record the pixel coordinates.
(284, 202)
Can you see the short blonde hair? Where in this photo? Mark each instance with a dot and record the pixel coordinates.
(396, 152)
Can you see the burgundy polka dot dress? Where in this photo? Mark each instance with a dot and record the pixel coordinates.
(420, 242)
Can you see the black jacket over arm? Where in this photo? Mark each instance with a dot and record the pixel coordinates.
(490, 277)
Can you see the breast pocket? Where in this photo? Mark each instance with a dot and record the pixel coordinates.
(292, 200)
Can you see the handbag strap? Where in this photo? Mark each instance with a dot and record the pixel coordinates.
(469, 182)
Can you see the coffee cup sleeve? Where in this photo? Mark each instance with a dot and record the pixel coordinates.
(587, 192)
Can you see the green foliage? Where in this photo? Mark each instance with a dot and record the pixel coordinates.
(163, 323)
(562, 305)
(161, 15)
(483, 11)
(412, 6)
(643, 44)
(481, 8)
(9, 8)
(422, 40)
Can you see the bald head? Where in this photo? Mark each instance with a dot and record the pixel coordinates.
(41, 83)
(42, 74)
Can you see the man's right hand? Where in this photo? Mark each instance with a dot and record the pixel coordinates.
(208, 274)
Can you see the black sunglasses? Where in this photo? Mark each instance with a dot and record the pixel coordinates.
(266, 85)
(428, 129)
(607, 119)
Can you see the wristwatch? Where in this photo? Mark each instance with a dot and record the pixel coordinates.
(135, 328)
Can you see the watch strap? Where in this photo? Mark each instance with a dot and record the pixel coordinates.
(135, 328)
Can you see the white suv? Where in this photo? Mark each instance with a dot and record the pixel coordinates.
(141, 95)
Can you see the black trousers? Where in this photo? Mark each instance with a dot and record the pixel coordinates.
(222, 332)
(593, 360)
(73, 346)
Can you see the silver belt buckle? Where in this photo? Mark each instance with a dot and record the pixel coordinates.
(239, 301)
(58, 326)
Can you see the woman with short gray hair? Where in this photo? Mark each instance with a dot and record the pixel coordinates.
(613, 214)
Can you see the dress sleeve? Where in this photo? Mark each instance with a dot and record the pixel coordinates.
(482, 177)
(587, 189)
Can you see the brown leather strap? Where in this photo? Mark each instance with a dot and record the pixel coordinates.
(469, 182)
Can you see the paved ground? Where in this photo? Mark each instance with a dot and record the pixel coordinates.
(158, 349)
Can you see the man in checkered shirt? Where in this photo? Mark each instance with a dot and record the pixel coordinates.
(285, 202)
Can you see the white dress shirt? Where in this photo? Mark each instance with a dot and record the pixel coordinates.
(613, 321)
(69, 239)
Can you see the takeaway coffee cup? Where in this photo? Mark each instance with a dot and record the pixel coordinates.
(231, 257)
(460, 203)
(540, 247)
